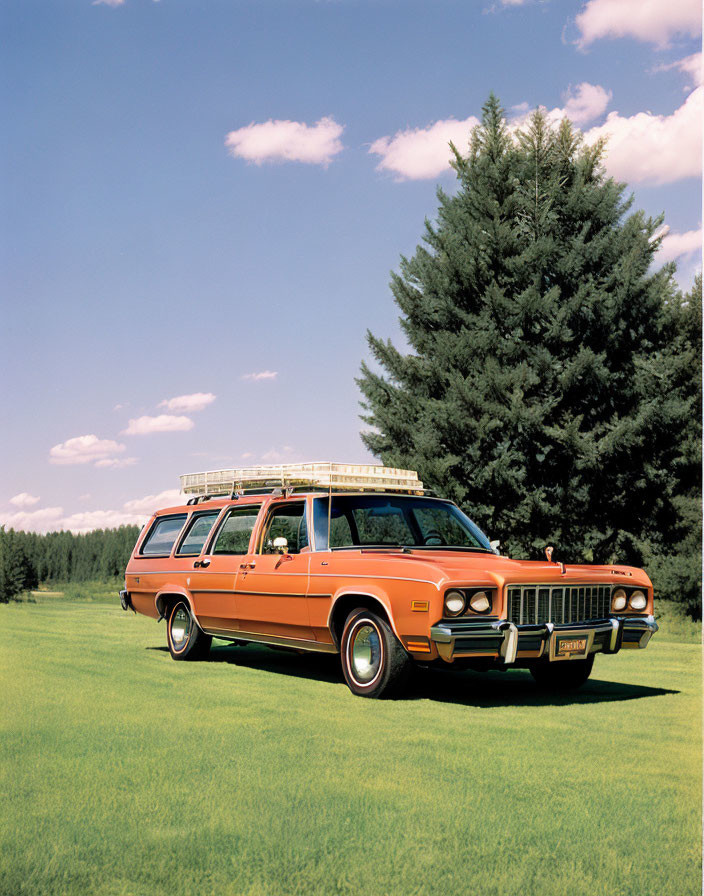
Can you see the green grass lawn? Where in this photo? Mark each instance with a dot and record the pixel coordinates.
(122, 772)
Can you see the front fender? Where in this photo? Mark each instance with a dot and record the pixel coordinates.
(369, 589)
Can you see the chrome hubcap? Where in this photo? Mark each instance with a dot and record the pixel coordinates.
(180, 628)
(365, 653)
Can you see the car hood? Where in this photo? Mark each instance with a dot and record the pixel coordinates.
(454, 568)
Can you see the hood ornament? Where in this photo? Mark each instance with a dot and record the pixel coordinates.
(548, 552)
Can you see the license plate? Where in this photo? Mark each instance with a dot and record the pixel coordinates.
(571, 647)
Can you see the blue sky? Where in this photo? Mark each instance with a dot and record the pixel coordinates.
(206, 199)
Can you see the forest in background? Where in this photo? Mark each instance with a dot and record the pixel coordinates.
(28, 558)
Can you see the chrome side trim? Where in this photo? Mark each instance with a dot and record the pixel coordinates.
(276, 640)
(342, 575)
(271, 593)
(181, 572)
(213, 591)
(255, 593)
(329, 575)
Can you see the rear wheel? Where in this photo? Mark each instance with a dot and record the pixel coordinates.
(186, 641)
(374, 661)
(565, 676)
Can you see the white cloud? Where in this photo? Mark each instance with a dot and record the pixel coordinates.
(51, 519)
(287, 141)
(641, 148)
(262, 375)
(655, 149)
(585, 102)
(188, 403)
(652, 21)
(285, 454)
(108, 2)
(691, 66)
(117, 463)
(141, 426)
(44, 520)
(84, 450)
(678, 245)
(23, 500)
(146, 506)
(420, 153)
(87, 520)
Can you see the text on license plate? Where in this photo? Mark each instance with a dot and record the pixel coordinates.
(568, 646)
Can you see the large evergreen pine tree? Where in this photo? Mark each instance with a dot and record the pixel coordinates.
(677, 569)
(533, 388)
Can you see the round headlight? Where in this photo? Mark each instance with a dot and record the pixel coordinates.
(638, 600)
(480, 602)
(454, 603)
(618, 601)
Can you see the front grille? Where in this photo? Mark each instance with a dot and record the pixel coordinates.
(563, 605)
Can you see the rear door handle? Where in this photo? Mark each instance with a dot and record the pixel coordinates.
(247, 565)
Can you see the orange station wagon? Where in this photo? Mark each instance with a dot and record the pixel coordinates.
(360, 560)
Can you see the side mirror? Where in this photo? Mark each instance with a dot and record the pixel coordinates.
(495, 545)
(280, 545)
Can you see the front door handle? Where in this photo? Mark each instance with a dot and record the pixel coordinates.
(247, 565)
(202, 563)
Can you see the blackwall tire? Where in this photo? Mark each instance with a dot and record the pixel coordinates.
(563, 676)
(185, 640)
(374, 662)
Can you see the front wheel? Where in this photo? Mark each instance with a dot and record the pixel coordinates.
(186, 641)
(565, 676)
(374, 661)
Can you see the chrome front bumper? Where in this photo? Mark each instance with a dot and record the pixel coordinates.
(507, 642)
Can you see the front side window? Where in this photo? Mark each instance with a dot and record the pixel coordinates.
(236, 531)
(394, 521)
(162, 536)
(196, 533)
(285, 521)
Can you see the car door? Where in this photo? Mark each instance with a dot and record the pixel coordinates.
(213, 583)
(272, 582)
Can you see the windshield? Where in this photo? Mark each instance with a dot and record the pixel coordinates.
(394, 521)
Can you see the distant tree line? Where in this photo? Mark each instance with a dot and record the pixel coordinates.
(27, 558)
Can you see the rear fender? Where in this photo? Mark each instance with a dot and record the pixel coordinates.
(167, 595)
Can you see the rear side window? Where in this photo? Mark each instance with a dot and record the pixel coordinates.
(234, 534)
(162, 536)
(196, 533)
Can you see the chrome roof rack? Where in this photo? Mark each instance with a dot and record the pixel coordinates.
(312, 476)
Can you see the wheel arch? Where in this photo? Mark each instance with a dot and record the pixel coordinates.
(165, 599)
(349, 599)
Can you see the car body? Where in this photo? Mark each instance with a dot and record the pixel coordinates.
(273, 566)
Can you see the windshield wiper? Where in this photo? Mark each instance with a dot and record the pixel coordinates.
(408, 548)
(373, 547)
(450, 547)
